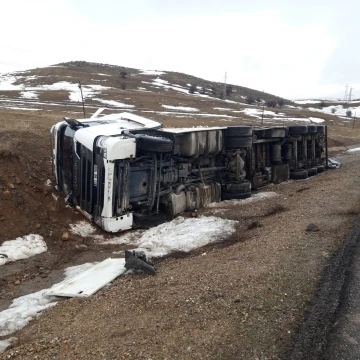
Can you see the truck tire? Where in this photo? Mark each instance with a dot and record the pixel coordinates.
(151, 141)
(298, 129)
(234, 188)
(299, 174)
(237, 142)
(238, 131)
(313, 171)
(236, 191)
(275, 133)
(320, 169)
(260, 133)
(147, 221)
(312, 129)
(233, 196)
(320, 129)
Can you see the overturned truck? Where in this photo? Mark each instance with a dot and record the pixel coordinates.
(127, 171)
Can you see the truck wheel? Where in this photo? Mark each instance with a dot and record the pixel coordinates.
(230, 196)
(299, 174)
(151, 141)
(239, 131)
(312, 129)
(236, 191)
(275, 133)
(320, 169)
(234, 188)
(237, 142)
(313, 171)
(260, 133)
(320, 129)
(298, 129)
(149, 220)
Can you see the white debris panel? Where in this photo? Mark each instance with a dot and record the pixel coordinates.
(90, 281)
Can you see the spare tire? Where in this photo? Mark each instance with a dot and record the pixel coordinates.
(298, 129)
(239, 131)
(237, 142)
(151, 141)
(299, 174)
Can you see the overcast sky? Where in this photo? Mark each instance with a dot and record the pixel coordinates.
(291, 48)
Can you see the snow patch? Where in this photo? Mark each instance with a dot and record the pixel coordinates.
(19, 108)
(307, 101)
(354, 150)
(253, 198)
(22, 247)
(85, 229)
(25, 308)
(179, 234)
(4, 344)
(114, 103)
(161, 81)
(182, 108)
(316, 120)
(29, 95)
(152, 72)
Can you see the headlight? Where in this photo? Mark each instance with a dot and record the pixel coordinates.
(101, 146)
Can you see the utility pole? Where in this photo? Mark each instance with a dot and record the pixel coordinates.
(350, 94)
(82, 98)
(346, 92)
(354, 120)
(224, 92)
(262, 115)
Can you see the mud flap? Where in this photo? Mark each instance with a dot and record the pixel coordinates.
(137, 260)
(280, 173)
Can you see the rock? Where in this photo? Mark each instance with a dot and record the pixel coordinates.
(17, 282)
(37, 226)
(17, 181)
(65, 236)
(26, 223)
(43, 275)
(312, 227)
(11, 186)
(237, 300)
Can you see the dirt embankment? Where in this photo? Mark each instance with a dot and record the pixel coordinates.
(240, 300)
